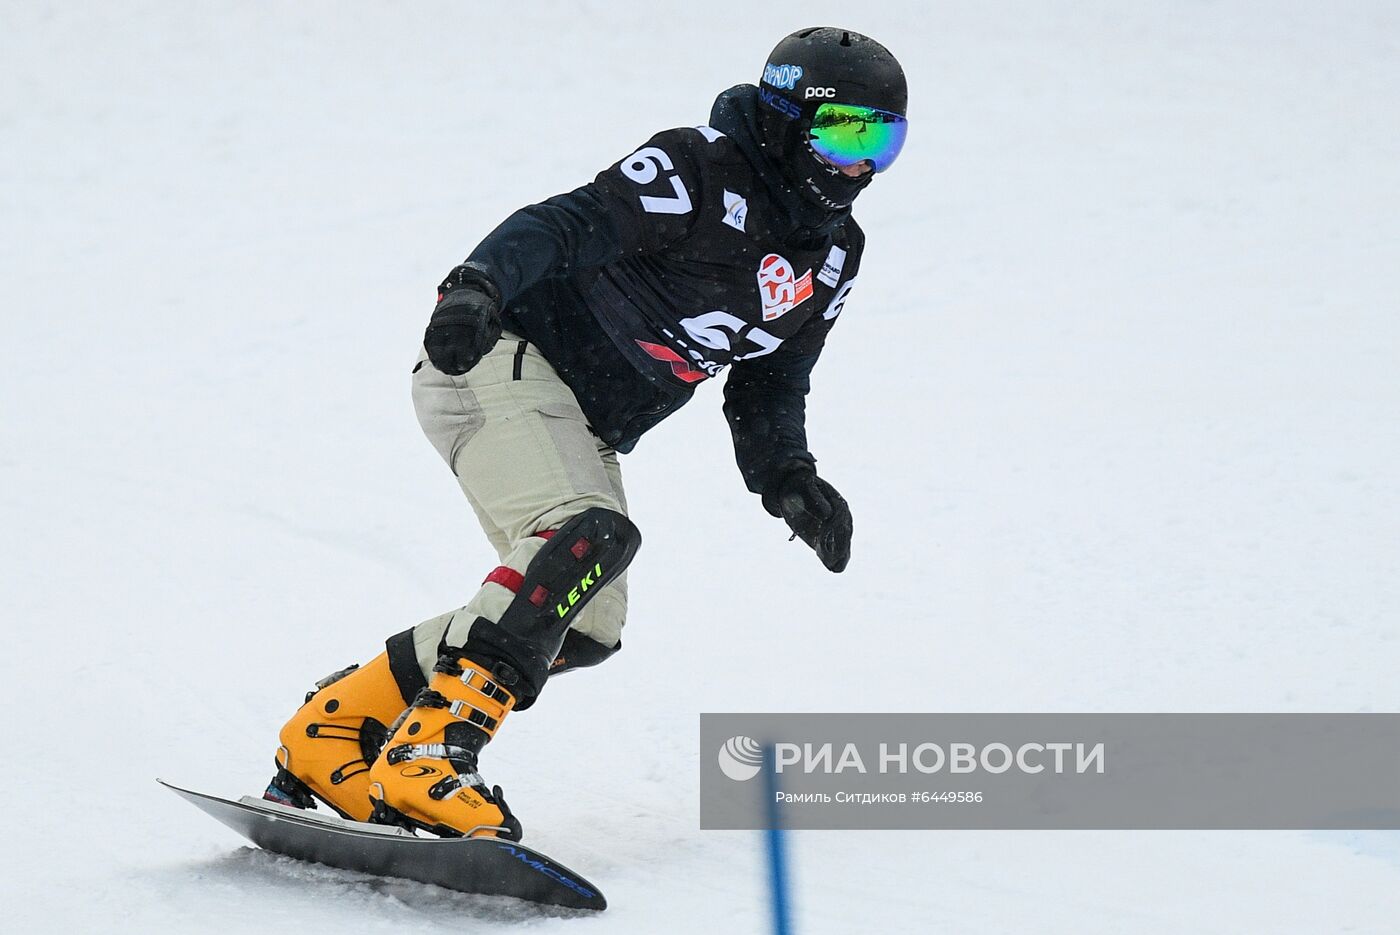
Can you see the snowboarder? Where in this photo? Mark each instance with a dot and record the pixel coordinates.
(572, 329)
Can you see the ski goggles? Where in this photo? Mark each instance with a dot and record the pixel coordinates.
(846, 134)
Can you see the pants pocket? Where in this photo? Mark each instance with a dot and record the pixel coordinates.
(447, 410)
(576, 447)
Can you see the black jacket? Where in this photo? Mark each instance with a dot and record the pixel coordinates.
(685, 257)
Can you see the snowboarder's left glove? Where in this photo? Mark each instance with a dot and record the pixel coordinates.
(816, 513)
(466, 322)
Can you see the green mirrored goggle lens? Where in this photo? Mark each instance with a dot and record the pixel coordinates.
(847, 134)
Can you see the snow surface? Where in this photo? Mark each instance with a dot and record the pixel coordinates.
(1115, 404)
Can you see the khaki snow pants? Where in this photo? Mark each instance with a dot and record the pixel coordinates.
(513, 434)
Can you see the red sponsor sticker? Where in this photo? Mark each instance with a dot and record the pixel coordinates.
(779, 288)
(679, 367)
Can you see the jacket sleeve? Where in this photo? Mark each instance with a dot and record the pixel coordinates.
(765, 403)
(765, 398)
(640, 204)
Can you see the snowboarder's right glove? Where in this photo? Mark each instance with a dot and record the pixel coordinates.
(466, 322)
(816, 513)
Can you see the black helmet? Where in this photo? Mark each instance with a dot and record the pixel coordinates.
(843, 92)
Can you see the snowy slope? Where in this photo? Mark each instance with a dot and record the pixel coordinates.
(1114, 404)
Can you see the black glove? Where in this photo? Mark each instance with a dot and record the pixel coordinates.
(466, 322)
(816, 513)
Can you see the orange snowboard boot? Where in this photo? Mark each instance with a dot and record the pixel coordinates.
(426, 777)
(329, 743)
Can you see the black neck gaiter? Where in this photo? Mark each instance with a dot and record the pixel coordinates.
(735, 114)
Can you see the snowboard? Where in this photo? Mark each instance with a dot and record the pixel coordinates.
(488, 866)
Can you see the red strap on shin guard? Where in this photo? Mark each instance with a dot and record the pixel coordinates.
(506, 577)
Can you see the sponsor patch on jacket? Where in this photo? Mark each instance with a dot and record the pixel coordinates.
(680, 367)
(736, 209)
(831, 269)
(779, 288)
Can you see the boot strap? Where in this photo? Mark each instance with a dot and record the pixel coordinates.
(405, 752)
(477, 717)
(483, 685)
(450, 784)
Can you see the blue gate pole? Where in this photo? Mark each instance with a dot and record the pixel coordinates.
(777, 858)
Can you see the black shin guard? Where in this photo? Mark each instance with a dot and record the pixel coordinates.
(580, 652)
(580, 559)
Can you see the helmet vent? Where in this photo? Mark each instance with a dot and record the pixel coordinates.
(845, 38)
